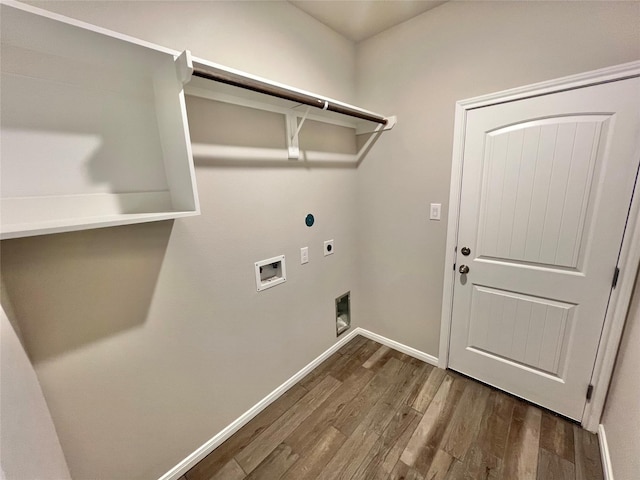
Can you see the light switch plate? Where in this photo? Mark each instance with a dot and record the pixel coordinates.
(304, 255)
(434, 211)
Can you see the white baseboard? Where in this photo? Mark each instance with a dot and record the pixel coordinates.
(185, 465)
(607, 469)
(412, 352)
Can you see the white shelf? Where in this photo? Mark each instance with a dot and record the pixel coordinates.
(94, 129)
(231, 93)
(285, 100)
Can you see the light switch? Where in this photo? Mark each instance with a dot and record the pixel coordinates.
(435, 211)
(304, 255)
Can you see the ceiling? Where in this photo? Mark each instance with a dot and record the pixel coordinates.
(360, 19)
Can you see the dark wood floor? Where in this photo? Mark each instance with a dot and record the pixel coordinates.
(369, 412)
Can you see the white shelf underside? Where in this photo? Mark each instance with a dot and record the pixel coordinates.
(79, 212)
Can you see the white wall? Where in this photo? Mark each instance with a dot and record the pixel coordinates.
(621, 417)
(30, 446)
(149, 339)
(418, 70)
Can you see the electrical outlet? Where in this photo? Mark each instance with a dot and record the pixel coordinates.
(328, 247)
(304, 255)
(434, 212)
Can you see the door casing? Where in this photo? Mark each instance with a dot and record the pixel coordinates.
(628, 261)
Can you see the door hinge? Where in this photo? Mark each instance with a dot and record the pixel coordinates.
(616, 274)
(589, 392)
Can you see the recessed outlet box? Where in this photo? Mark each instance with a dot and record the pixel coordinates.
(343, 313)
(328, 247)
(270, 272)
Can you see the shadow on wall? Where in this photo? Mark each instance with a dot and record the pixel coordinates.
(104, 141)
(226, 135)
(71, 289)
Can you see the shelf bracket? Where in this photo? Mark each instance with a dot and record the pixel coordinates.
(293, 131)
(293, 146)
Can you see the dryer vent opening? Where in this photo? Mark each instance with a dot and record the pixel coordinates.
(343, 313)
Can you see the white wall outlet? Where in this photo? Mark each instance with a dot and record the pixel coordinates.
(304, 255)
(328, 247)
(434, 211)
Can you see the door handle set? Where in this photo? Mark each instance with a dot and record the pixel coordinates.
(464, 269)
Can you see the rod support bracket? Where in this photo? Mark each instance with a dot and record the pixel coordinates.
(391, 122)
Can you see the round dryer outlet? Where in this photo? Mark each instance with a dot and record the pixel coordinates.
(328, 247)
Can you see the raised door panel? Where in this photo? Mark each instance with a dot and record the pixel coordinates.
(520, 329)
(537, 179)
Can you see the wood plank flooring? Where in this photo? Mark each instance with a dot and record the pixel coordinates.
(372, 413)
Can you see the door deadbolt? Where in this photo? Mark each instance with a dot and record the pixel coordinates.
(463, 269)
(465, 251)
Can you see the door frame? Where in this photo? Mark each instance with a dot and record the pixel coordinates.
(629, 258)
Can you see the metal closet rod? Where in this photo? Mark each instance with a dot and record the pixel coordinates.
(210, 73)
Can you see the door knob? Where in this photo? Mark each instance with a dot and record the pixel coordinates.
(463, 269)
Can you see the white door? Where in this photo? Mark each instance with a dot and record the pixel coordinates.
(546, 186)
